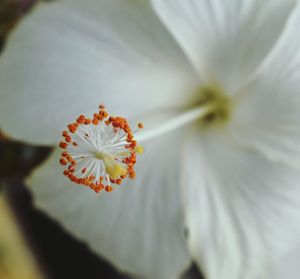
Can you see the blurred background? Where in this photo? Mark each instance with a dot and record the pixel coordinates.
(32, 246)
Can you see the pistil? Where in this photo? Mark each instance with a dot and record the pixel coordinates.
(213, 108)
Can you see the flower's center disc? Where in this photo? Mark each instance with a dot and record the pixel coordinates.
(220, 106)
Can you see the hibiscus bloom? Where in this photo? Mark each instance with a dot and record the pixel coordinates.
(217, 83)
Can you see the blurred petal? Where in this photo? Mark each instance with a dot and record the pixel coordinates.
(139, 227)
(288, 267)
(283, 62)
(267, 112)
(69, 56)
(225, 39)
(242, 211)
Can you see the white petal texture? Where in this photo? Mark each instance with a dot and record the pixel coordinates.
(139, 227)
(225, 39)
(267, 112)
(66, 58)
(241, 209)
(288, 267)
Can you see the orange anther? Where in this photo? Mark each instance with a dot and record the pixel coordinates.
(87, 121)
(108, 188)
(81, 119)
(97, 116)
(140, 125)
(93, 186)
(69, 158)
(132, 175)
(95, 121)
(99, 188)
(62, 161)
(119, 181)
(68, 139)
(91, 178)
(63, 145)
(65, 133)
(64, 154)
(72, 127)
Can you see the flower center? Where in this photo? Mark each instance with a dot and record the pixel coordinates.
(219, 106)
(99, 151)
(213, 108)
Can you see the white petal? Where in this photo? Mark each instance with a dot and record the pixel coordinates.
(283, 62)
(67, 57)
(267, 119)
(139, 226)
(288, 267)
(242, 211)
(225, 39)
(267, 112)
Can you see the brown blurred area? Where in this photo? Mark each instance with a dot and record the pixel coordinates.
(11, 11)
(16, 260)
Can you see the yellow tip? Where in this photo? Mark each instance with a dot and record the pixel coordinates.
(139, 149)
(114, 169)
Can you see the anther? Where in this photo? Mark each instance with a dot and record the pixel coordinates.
(140, 125)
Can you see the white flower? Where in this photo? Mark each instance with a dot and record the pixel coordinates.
(220, 81)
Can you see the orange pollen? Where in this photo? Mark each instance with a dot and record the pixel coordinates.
(65, 133)
(108, 188)
(99, 152)
(62, 161)
(140, 125)
(63, 145)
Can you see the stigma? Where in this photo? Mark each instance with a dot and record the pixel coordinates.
(99, 152)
